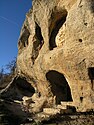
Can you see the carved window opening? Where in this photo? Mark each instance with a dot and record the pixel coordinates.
(37, 43)
(59, 86)
(60, 20)
(91, 75)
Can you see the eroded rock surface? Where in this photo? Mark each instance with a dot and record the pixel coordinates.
(56, 53)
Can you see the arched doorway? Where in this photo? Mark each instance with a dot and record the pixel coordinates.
(59, 86)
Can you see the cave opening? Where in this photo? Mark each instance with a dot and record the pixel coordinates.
(24, 87)
(17, 89)
(37, 43)
(38, 33)
(23, 41)
(57, 25)
(59, 86)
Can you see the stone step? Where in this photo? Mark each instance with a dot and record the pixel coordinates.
(67, 104)
(54, 111)
(62, 106)
(51, 111)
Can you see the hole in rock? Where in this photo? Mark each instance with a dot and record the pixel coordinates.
(91, 75)
(80, 40)
(24, 87)
(59, 86)
(37, 43)
(81, 99)
(60, 20)
(38, 34)
(23, 41)
(85, 24)
(18, 89)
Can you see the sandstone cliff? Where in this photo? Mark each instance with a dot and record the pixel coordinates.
(56, 55)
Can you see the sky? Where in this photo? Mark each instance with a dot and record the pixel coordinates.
(12, 16)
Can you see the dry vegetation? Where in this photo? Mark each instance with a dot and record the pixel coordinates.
(5, 78)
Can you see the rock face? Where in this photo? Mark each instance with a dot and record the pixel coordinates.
(56, 53)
